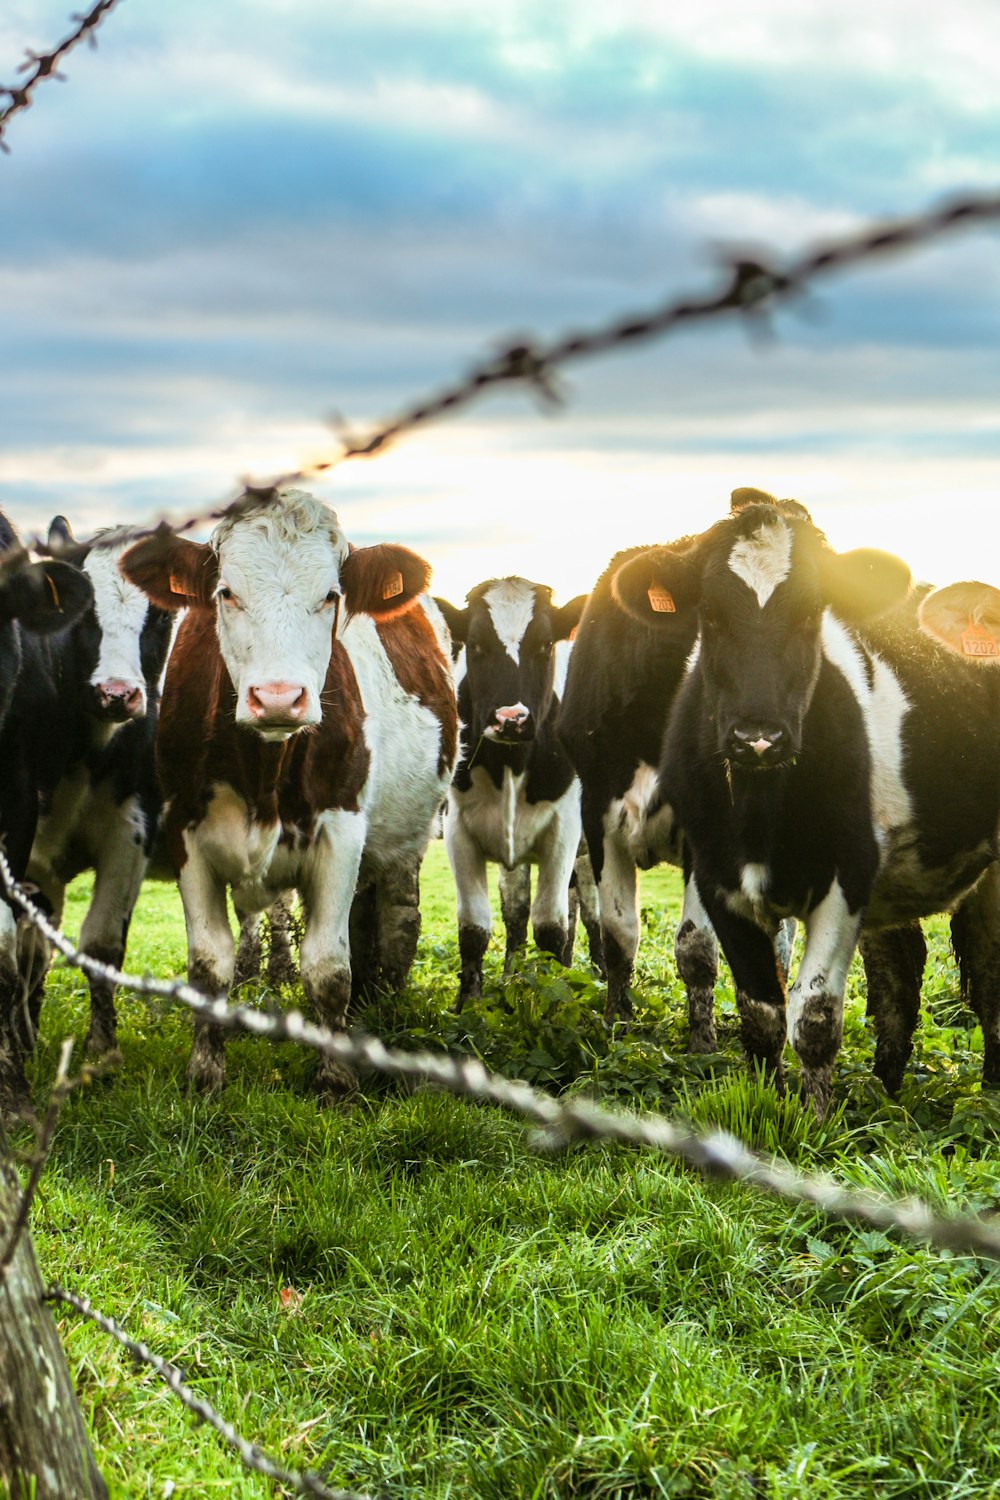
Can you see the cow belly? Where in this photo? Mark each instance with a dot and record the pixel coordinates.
(235, 848)
(508, 828)
(907, 889)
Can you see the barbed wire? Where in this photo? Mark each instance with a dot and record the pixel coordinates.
(753, 287)
(303, 1482)
(43, 64)
(562, 1122)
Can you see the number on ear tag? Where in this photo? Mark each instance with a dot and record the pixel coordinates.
(392, 586)
(977, 641)
(660, 601)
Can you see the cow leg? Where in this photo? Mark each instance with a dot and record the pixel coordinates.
(976, 927)
(590, 910)
(248, 949)
(363, 928)
(398, 895)
(211, 962)
(281, 966)
(760, 990)
(696, 952)
(816, 999)
(894, 959)
(118, 876)
(328, 886)
(475, 916)
(618, 892)
(515, 904)
(557, 852)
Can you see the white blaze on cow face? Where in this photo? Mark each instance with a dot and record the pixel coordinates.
(511, 604)
(121, 611)
(279, 579)
(763, 560)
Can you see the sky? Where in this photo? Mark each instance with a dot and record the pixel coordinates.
(233, 223)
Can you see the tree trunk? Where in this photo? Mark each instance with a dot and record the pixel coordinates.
(44, 1450)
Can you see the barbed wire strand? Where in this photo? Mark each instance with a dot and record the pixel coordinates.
(562, 1122)
(303, 1482)
(43, 64)
(753, 287)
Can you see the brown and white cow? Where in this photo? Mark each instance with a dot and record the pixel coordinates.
(307, 737)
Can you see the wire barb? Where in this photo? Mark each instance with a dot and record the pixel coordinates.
(41, 65)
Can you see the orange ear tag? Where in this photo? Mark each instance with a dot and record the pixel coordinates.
(55, 592)
(177, 587)
(660, 602)
(392, 586)
(977, 641)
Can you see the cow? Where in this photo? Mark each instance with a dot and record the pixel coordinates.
(102, 810)
(38, 602)
(823, 767)
(307, 737)
(622, 678)
(514, 800)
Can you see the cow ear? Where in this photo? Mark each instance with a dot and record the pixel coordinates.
(457, 620)
(567, 618)
(60, 535)
(746, 495)
(45, 596)
(171, 571)
(657, 585)
(864, 582)
(383, 580)
(965, 617)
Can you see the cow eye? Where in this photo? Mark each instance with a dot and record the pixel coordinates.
(225, 593)
(330, 598)
(544, 648)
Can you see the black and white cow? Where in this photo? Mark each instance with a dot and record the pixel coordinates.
(100, 800)
(514, 800)
(822, 771)
(622, 678)
(38, 603)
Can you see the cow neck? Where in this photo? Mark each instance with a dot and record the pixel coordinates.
(758, 800)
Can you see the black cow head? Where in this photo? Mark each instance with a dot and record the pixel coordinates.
(509, 629)
(761, 581)
(122, 640)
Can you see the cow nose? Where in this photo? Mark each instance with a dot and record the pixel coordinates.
(758, 743)
(512, 718)
(122, 698)
(282, 701)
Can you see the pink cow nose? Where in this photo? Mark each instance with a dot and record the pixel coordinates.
(122, 698)
(513, 716)
(282, 701)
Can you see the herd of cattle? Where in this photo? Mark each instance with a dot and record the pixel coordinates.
(809, 737)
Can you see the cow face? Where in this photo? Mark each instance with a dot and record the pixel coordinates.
(276, 578)
(762, 582)
(509, 631)
(123, 638)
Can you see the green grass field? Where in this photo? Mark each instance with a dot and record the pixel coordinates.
(405, 1296)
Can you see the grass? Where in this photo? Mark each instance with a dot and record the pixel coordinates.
(405, 1296)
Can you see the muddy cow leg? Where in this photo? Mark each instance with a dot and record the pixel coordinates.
(475, 916)
(696, 952)
(398, 906)
(894, 959)
(327, 896)
(978, 931)
(515, 904)
(816, 999)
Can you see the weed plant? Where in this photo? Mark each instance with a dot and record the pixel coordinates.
(406, 1296)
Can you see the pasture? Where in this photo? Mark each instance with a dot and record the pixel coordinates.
(407, 1297)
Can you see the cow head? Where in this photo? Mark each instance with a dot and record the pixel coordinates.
(275, 579)
(509, 629)
(123, 638)
(762, 582)
(965, 617)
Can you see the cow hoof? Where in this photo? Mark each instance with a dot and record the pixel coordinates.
(336, 1082)
(100, 1042)
(703, 1041)
(817, 1090)
(206, 1075)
